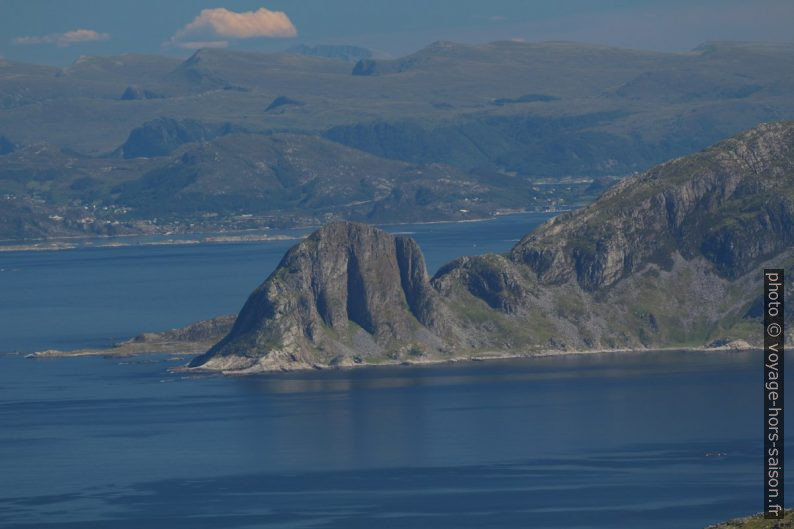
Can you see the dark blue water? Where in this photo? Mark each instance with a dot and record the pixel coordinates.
(97, 296)
(571, 442)
(591, 441)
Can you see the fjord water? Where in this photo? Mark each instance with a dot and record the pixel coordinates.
(96, 296)
(652, 440)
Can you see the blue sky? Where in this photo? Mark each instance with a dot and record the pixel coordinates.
(58, 31)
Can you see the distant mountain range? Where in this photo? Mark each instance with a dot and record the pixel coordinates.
(341, 52)
(230, 140)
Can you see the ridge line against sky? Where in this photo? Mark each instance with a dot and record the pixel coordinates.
(55, 32)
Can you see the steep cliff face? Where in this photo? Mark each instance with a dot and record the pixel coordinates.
(349, 293)
(731, 204)
(670, 258)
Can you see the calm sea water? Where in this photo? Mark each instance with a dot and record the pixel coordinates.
(97, 296)
(590, 441)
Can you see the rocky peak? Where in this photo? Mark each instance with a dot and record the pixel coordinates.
(347, 287)
(730, 203)
(670, 257)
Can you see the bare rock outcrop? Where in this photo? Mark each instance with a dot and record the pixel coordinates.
(669, 258)
(347, 294)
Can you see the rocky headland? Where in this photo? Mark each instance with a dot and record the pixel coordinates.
(671, 258)
(668, 259)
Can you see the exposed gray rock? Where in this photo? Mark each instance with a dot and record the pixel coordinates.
(670, 258)
(729, 203)
(349, 290)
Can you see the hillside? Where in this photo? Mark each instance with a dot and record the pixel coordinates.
(667, 258)
(240, 180)
(757, 522)
(537, 124)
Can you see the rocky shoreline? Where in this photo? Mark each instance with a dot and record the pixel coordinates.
(668, 259)
(115, 242)
(193, 339)
(260, 368)
(190, 344)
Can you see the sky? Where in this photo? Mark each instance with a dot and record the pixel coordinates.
(59, 31)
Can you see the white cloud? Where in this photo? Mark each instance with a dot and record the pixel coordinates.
(64, 39)
(213, 25)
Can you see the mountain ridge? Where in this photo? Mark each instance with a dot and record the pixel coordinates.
(542, 119)
(655, 262)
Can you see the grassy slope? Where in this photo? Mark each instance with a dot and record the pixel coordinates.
(664, 259)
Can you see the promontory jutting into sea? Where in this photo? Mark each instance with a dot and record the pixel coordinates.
(390, 265)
